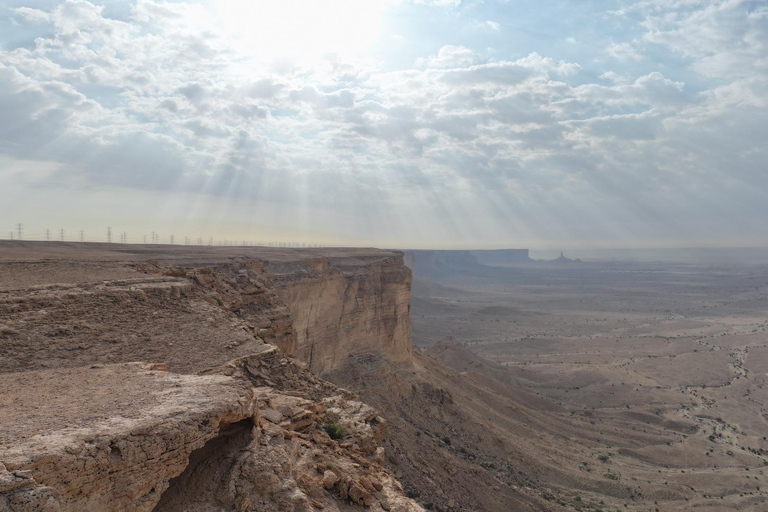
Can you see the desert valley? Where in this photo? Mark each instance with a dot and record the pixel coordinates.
(177, 378)
(383, 255)
(661, 364)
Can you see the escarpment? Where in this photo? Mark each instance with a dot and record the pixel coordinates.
(222, 418)
(346, 307)
(195, 311)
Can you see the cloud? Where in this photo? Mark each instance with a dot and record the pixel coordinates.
(529, 146)
(624, 52)
(450, 56)
(549, 65)
(32, 15)
(719, 39)
(439, 3)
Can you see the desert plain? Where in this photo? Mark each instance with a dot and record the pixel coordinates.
(668, 363)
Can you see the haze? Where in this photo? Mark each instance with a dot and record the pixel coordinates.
(439, 123)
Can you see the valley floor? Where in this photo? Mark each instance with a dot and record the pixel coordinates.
(666, 364)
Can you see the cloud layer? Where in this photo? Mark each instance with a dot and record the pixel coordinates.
(655, 140)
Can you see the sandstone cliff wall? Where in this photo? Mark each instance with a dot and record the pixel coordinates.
(344, 307)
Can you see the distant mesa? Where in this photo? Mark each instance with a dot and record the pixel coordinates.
(479, 263)
(426, 262)
(562, 260)
(502, 256)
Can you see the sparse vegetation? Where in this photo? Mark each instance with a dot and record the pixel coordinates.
(334, 430)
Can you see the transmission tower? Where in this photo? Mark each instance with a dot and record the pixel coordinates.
(109, 235)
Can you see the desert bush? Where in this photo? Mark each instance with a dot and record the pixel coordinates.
(334, 430)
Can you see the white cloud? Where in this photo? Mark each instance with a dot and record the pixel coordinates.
(549, 65)
(722, 39)
(450, 56)
(166, 102)
(32, 15)
(615, 77)
(439, 3)
(624, 52)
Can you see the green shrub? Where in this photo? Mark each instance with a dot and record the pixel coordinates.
(334, 430)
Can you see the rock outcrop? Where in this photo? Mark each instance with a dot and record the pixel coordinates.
(108, 438)
(132, 437)
(240, 425)
(344, 307)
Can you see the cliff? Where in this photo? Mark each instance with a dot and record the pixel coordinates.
(226, 420)
(343, 307)
(135, 438)
(181, 304)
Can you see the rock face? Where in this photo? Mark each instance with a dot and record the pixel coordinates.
(283, 464)
(241, 426)
(200, 314)
(343, 307)
(132, 437)
(108, 438)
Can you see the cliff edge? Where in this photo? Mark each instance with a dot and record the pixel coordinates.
(223, 417)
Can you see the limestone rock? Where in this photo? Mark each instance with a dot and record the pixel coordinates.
(329, 479)
(340, 307)
(107, 438)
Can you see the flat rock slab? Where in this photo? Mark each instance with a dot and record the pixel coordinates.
(93, 435)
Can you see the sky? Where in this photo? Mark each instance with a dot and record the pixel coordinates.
(392, 123)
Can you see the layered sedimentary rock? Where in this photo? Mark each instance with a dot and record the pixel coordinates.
(343, 307)
(133, 437)
(196, 313)
(107, 438)
(239, 426)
